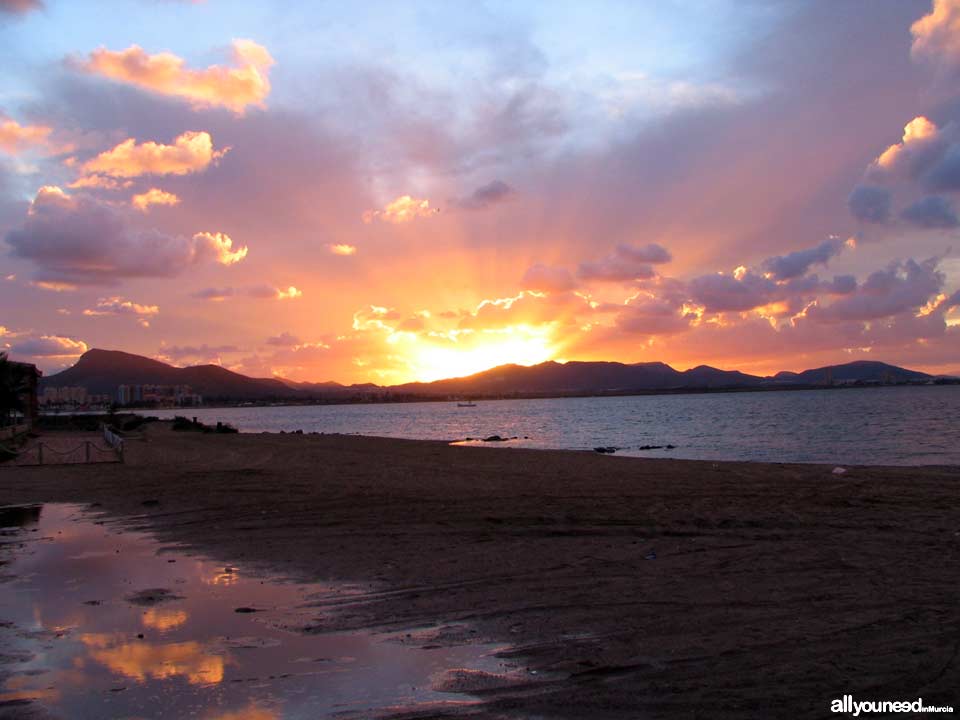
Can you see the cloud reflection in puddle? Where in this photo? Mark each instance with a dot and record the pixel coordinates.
(100, 623)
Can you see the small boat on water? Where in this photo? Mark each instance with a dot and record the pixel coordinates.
(466, 404)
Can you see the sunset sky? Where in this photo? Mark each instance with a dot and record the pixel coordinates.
(386, 191)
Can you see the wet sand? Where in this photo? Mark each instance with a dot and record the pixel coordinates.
(634, 588)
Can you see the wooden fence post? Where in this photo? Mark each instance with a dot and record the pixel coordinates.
(87, 451)
(39, 453)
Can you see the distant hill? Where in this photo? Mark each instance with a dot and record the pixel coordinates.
(860, 370)
(101, 371)
(582, 377)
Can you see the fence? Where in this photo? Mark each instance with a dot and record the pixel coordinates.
(63, 451)
(112, 438)
(11, 431)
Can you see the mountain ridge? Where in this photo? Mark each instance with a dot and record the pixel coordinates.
(101, 371)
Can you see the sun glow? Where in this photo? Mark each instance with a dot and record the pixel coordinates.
(518, 345)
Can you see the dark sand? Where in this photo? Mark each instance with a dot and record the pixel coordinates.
(636, 588)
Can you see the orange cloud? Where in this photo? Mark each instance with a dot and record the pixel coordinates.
(191, 152)
(291, 293)
(404, 209)
(100, 182)
(153, 196)
(937, 34)
(342, 249)
(51, 195)
(53, 285)
(247, 83)
(15, 137)
(219, 246)
(915, 131)
(119, 306)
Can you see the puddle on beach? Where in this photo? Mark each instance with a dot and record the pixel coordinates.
(99, 623)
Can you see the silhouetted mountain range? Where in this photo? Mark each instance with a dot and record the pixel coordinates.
(101, 371)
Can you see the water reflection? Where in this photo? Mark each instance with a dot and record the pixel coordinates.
(250, 713)
(95, 623)
(140, 660)
(163, 620)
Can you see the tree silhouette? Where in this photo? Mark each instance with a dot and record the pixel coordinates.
(13, 385)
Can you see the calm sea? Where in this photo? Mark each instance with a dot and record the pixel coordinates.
(876, 426)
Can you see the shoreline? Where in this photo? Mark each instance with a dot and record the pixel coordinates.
(635, 587)
(400, 399)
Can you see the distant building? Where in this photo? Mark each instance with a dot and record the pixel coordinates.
(71, 397)
(158, 395)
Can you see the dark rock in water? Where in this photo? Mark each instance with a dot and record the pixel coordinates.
(609, 449)
(150, 503)
(152, 596)
(245, 610)
(670, 447)
(650, 447)
(494, 438)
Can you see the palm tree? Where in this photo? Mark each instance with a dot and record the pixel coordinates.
(13, 384)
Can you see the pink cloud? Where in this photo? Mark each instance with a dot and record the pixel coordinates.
(190, 152)
(154, 196)
(246, 83)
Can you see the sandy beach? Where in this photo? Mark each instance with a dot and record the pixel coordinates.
(634, 588)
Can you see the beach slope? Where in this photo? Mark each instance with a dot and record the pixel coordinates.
(633, 588)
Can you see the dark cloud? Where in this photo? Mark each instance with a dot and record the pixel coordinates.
(485, 196)
(625, 264)
(945, 175)
(795, 264)
(284, 339)
(49, 346)
(213, 293)
(726, 293)
(870, 203)
(932, 211)
(653, 316)
(901, 287)
(841, 285)
(82, 241)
